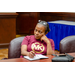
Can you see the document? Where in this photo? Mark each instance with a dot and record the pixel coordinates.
(36, 57)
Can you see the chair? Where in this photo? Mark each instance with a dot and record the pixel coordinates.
(67, 45)
(14, 50)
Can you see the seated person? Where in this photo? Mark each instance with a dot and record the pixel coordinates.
(38, 43)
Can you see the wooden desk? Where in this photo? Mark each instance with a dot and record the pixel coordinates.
(25, 60)
(41, 60)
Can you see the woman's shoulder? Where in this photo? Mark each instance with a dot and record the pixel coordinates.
(29, 36)
(27, 39)
(51, 40)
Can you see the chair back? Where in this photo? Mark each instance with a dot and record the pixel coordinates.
(14, 50)
(67, 45)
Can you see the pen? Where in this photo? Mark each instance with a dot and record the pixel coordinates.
(33, 54)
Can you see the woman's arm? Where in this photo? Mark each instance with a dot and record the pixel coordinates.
(49, 48)
(24, 51)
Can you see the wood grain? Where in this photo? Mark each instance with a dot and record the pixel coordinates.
(40, 60)
(26, 22)
(52, 16)
(7, 28)
(3, 53)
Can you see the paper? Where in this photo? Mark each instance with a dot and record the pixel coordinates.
(36, 57)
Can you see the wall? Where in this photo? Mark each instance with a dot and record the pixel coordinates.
(51, 16)
(7, 28)
(26, 22)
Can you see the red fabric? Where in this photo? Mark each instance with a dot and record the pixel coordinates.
(39, 47)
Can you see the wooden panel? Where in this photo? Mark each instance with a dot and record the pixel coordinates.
(51, 16)
(26, 22)
(7, 28)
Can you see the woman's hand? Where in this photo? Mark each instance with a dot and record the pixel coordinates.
(49, 48)
(44, 38)
(31, 54)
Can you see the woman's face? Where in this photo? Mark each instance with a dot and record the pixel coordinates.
(39, 31)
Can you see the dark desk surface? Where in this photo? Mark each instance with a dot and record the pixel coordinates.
(41, 60)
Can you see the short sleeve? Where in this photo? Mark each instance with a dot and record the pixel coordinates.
(25, 40)
(52, 44)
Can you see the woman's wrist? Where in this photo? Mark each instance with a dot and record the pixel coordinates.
(48, 42)
(27, 53)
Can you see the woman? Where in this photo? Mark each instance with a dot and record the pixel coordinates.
(38, 43)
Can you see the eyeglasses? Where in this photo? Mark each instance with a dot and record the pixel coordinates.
(42, 22)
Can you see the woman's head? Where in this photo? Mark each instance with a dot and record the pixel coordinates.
(42, 28)
(44, 23)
